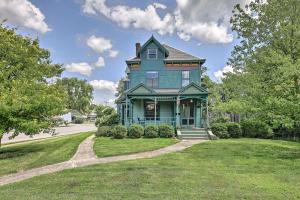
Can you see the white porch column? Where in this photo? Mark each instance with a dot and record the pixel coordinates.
(207, 117)
(155, 110)
(177, 112)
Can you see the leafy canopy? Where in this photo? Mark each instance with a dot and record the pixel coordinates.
(80, 94)
(27, 99)
(266, 81)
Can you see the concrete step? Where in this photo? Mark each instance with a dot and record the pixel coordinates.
(194, 138)
(194, 135)
(193, 132)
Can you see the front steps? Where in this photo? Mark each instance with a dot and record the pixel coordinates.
(193, 133)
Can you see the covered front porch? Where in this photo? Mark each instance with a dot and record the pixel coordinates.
(180, 111)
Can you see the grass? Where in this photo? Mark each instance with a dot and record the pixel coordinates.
(21, 156)
(104, 146)
(223, 169)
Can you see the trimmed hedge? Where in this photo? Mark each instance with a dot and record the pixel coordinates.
(256, 129)
(104, 131)
(166, 131)
(151, 131)
(220, 130)
(119, 132)
(234, 130)
(135, 131)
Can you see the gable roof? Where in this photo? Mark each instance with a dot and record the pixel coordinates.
(172, 54)
(160, 46)
(193, 88)
(178, 55)
(140, 88)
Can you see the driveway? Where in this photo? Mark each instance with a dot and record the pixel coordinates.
(64, 130)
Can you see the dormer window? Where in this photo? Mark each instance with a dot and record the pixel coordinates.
(152, 54)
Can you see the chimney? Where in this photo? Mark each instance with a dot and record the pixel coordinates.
(137, 49)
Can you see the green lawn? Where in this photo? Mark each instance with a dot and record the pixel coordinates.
(104, 146)
(21, 156)
(223, 169)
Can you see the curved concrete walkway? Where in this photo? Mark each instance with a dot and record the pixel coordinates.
(85, 156)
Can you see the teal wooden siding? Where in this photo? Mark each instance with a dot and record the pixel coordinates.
(138, 109)
(168, 78)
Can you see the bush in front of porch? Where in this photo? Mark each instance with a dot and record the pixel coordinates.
(135, 131)
(166, 131)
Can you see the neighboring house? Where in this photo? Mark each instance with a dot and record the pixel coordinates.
(163, 85)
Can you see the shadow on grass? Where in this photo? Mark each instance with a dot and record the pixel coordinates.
(6, 153)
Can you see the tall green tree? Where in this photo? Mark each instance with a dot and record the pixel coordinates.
(266, 62)
(106, 116)
(27, 99)
(80, 94)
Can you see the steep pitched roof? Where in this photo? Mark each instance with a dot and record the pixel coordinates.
(172, 54)
(176, 54)
(154, 40)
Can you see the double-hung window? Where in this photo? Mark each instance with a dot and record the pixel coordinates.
(185, 78)
(152, 54)
(152, 79)
(150, 110)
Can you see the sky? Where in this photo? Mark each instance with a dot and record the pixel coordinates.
(93, 38)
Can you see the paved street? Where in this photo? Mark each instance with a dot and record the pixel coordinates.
(68, 130)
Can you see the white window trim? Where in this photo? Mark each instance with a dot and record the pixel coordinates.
(148, 54)
(189, 72)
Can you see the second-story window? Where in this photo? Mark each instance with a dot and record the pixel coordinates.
(152, 54)
(185, 78)
(152, 79)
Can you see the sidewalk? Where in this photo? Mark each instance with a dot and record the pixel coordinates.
(66, 130)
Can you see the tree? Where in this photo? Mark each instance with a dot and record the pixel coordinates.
(80, 94)
(27, 99)
(120, 90)
(106, 116)
(266, 62)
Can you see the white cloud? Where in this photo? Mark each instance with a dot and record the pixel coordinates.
(104, 85)
(104, 91)
(113, 53)
(100, 62)
(221, 73)
(206, 21)
(126, 16)
(99, 44)
(159, 5)
(82, 68)
(23, 13)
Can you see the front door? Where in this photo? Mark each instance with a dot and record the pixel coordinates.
(187, 113)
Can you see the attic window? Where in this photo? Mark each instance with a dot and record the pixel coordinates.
(152, 54)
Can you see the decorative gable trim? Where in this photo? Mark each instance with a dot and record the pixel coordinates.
(160, 46)
(193, 88)
(140, 89)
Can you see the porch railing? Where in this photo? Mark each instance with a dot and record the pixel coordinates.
(167, 120)
(161, 120)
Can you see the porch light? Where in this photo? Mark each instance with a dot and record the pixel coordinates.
(191, 100)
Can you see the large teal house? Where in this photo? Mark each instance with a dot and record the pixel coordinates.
(163, 85)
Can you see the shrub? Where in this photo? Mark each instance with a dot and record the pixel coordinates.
(151, 131)
(258, 129)
(104, 131)
(220, 130)
(135, 131)
(234, 130)
(119, 132)
(78, 120)
(166, 131)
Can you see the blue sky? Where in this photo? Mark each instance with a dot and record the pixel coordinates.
(73, 29)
